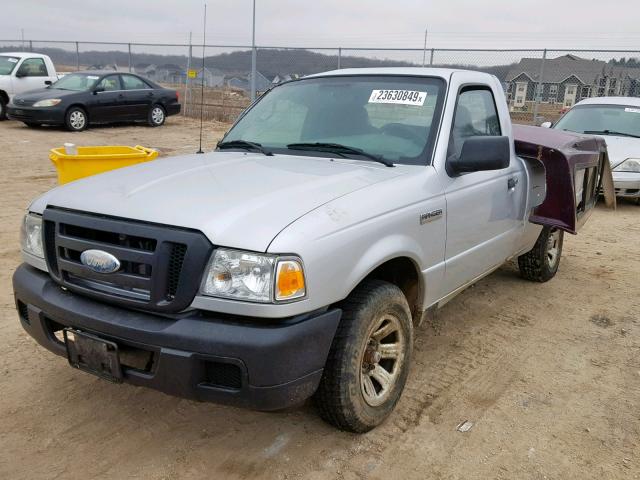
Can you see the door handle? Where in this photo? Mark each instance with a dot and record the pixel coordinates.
(512, 182)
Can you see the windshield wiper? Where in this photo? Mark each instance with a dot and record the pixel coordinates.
(610, 132)
(338, 149)
(244, 144)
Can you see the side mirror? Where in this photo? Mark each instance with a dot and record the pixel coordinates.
(98, 90)
(546, 124)
(20, 74)
(482, 153)
(47, 82)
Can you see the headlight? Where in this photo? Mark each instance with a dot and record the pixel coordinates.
(31, 235)
(47, 103)
(253, 277)
(629, 165)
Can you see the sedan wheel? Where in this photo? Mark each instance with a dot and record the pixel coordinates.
(156, 116)
(76, 119)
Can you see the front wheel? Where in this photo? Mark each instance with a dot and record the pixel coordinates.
(540, 264)
(3, 109)
(156, 116)
(76, 119)
(369, 360)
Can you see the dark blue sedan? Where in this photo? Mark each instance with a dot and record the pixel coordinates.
(83, 98)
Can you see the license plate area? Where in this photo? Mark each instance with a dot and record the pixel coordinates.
(93, 354)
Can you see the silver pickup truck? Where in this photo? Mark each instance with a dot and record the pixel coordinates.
(296, 259)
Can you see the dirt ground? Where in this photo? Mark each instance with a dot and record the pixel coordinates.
(549, 374)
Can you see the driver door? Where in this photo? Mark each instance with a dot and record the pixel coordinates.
(107, 99)
(483, 208)
(31, 75)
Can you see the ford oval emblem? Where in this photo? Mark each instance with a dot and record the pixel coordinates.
(99, 261)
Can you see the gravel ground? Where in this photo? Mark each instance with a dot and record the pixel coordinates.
(548, 374)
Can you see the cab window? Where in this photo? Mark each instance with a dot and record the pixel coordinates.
(476, 115)
(32, 67)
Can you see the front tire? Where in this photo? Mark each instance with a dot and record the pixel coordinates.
(156, 116)
(76, 119)
(369, 359)
(3, 109)
(540, 264)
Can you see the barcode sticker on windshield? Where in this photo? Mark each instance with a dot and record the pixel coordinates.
(398, 97)
(12, 60)
(632, 110)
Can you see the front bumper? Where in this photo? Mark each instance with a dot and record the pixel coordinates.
(252, 363)
(626, 184)
(47, 115)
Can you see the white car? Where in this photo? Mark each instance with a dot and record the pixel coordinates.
(617, 119)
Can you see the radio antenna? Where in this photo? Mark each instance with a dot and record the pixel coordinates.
(204, 41)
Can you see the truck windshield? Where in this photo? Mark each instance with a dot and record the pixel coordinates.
(393, 118)
(78, 82)
(618, 120)
(7, 64)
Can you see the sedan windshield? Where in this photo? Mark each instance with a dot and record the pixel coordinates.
(7, 64)
(375, 118)
(78, 82)
(618, 120)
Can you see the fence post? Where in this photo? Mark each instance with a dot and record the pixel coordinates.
(539, 86)
(129, 45)
(186, 79)
(339, 58)
(254, 61)
(77, 56)
(31, 45)
(431, 58)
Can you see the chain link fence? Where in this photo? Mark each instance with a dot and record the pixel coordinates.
(539, 84)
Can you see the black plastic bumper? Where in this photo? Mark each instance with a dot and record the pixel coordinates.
(247, 362)
(47, 115)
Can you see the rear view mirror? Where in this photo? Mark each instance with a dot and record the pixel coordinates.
(482, 153)
(546, 124)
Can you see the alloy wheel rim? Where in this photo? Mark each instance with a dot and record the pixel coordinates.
(77, 120)
(157, 115)
(382, 360)
(553, 248)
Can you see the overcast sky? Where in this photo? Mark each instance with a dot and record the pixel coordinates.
(376, 23)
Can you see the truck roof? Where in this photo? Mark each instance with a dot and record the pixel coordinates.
(23, 54)
(408, 71)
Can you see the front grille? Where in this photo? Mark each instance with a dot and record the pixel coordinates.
(178, 251)
(160, 266)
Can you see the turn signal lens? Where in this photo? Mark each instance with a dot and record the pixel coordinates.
(289, 280)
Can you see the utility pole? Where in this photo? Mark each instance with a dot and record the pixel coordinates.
(424, 51)
(22, 33)
(253, 55)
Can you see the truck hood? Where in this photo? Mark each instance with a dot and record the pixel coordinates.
(621, 148)
(240, 200)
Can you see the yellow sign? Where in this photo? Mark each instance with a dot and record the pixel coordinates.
(192, 73)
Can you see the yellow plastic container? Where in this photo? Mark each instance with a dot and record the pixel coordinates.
(93, 160)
